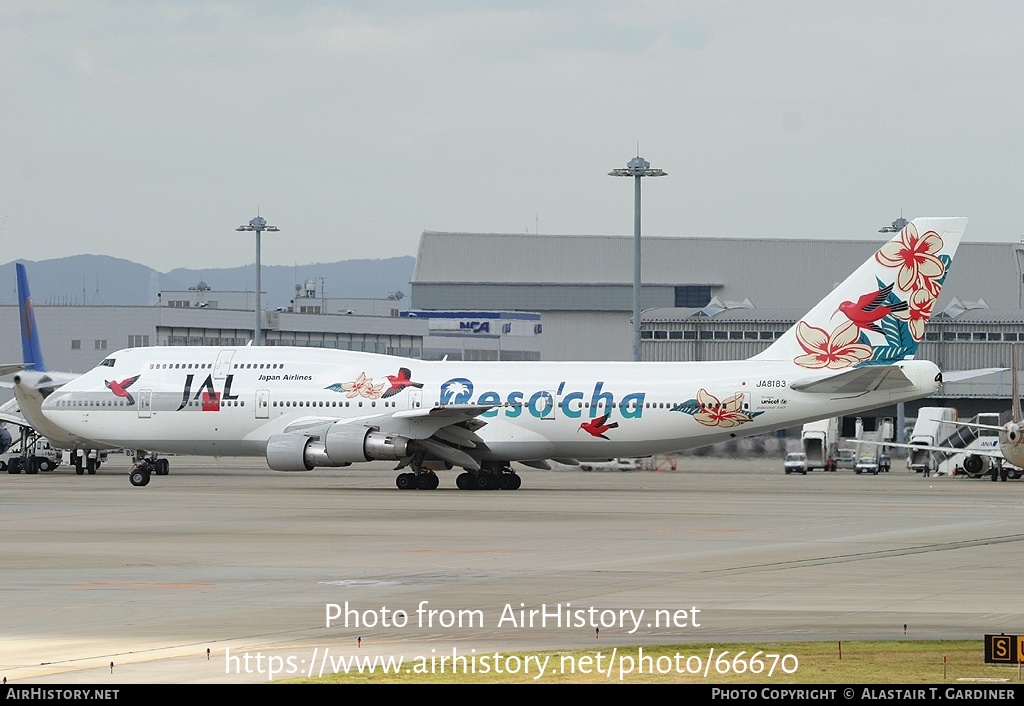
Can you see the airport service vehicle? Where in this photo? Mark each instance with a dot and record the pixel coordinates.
(933, 425)
(819, 440)
(845, 458)
(795, 463)
(42, 458)
(867, 463)
(300, 408)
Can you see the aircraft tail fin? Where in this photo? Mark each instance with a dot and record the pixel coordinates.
(31, 351)
(877, 315)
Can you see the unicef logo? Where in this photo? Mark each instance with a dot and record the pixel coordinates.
(456, 391)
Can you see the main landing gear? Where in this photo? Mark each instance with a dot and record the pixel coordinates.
(145, 467)
(89, 462)
(484, 479)
(490, 477)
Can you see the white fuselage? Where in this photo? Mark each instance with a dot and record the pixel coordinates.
(226, 402)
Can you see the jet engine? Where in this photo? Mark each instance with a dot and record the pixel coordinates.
(974, 464)
(5, 440)
(340, 445)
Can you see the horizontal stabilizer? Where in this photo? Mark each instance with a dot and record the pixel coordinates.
(958, 375)
(856, 381)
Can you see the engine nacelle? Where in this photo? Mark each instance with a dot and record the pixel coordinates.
(5, 440)
(342, 445)
(974, 464)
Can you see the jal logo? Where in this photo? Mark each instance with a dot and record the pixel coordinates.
(207, 393)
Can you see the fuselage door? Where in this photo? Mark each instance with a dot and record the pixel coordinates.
(223, 366)
(744, 401)
(545, 404)
(145, 404)
(415, 398)
(262, 404)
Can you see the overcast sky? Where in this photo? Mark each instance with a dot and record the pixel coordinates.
(150, 130)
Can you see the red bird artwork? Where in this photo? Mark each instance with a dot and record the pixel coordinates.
(400, 382)
(598, 426)
(870, 308)
(121, 388)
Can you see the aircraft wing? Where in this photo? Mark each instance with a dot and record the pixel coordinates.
(856, 381)
(8, 368)
(12, 418)
(948, 450)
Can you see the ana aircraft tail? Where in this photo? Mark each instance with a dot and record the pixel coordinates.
(31, 352)
(877, 315)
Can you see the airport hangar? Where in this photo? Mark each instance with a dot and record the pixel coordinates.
(717, 298)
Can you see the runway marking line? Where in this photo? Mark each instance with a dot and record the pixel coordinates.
(141, 584)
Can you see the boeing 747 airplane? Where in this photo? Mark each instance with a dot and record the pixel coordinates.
(301, 408)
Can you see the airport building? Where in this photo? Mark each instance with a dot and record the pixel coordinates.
(76, 338)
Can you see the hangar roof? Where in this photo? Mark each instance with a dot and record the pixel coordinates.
(775, 272)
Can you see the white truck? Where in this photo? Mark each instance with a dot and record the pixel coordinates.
(819, 442)
(933, 426)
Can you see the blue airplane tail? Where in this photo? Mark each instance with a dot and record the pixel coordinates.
(31, 351)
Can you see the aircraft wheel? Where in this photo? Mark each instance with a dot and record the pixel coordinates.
(139, 477)
(90, 466)
(464, 481)
(517, 482)
(163, 466)
(406, 481)
(995, 475)
(1002, 474)
(505, 481)
(484, 481)
(32, 465)
(426, 481)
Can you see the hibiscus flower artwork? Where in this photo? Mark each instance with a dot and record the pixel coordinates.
(362, 386)
(916, 258)
(921, 303)
(712, 412)
(840, 349)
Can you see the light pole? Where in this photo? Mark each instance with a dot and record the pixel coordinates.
(258, 225)
(638, 168)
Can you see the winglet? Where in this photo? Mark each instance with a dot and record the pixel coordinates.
(877, 315)
(31, 351)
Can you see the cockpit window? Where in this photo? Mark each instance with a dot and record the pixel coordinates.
(108, 363)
